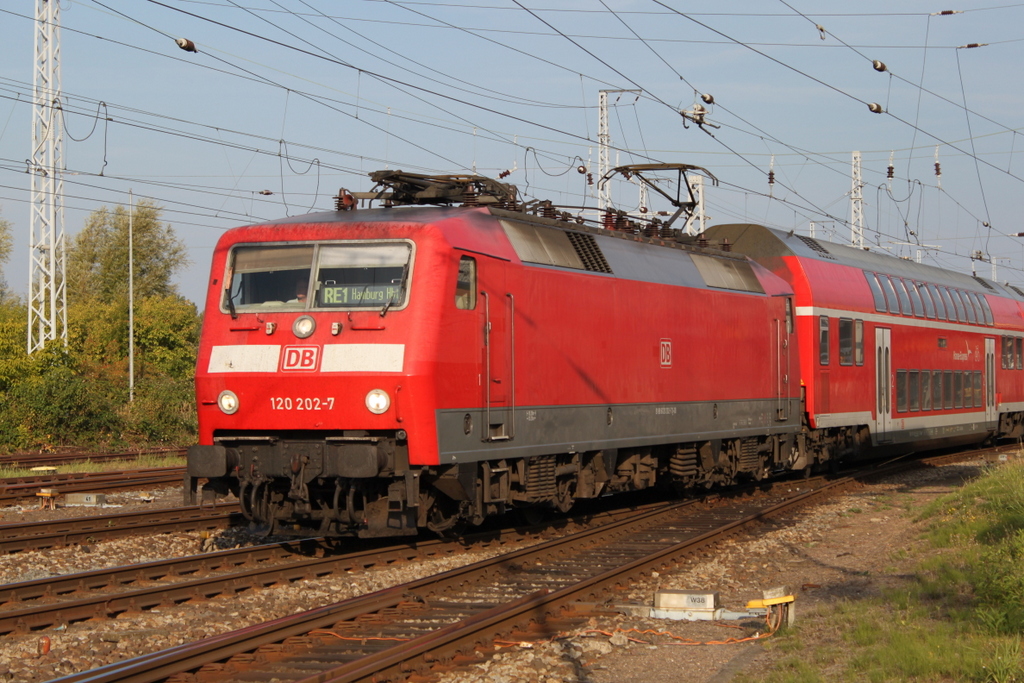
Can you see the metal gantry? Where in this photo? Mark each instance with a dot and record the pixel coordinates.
(47, 295)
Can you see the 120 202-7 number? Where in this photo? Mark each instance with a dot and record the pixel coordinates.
(299, 403)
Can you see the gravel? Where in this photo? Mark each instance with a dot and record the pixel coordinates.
(831, 551)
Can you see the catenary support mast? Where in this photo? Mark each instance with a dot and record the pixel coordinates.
(47, 297)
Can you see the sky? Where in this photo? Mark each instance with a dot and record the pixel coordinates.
(286, 101)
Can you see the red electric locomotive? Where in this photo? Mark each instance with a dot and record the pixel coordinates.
(380, 370)
(376, 371)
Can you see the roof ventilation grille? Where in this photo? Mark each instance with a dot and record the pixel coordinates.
(983, 283)
(588, 251)
(816, 246)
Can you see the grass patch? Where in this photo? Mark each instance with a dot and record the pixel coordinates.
(959, 618)
(143, 462)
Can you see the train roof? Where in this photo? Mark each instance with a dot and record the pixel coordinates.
(762, 243)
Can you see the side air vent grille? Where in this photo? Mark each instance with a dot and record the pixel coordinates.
(1016, 290)
(588, 251)
(983, 283)
(816, 246)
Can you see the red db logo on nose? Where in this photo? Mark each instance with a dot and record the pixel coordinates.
(300, 358)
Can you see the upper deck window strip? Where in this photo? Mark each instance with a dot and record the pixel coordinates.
(900, 296)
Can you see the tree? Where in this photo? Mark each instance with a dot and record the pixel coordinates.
(6, 246)
(97, 260)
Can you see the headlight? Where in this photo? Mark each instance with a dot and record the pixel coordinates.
(227, 402)
(378, 401)
(303, 326)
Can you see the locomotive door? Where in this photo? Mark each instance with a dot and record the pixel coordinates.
(990, 380)
(883, 384)
(498, 350)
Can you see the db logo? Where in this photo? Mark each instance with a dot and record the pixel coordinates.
(301, 358)
(666, 353)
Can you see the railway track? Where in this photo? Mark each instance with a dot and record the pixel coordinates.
(54, 459)
(20, 537)
(18, 488)
(522, 595)
(61, 600)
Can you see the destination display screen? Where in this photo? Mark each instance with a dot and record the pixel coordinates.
(359, 295)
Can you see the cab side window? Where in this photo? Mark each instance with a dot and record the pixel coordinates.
(465, 285)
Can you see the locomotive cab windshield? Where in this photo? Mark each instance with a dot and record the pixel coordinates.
(349, 275)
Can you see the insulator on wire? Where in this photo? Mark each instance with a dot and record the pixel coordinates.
(890, 172)
(708, 98)
(186, 45)
(878, 65)
(938, 169)
(504, 174)
(581, 169)
(771, 177)
(590, 179)
(874, 107)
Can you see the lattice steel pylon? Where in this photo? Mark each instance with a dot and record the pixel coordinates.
(47, 294)
(856, 204)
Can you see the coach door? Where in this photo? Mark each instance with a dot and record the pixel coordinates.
(883, 384)
(783, 330)
(990, 380)
(498, 349)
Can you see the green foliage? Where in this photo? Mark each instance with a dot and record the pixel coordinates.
(79, 396)
(6, 245)
(97, 260)
(958, 617)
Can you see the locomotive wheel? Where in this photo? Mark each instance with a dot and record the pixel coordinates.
(445, 517)
(565, 497)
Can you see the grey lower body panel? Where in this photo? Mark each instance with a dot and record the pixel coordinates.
(467, 435)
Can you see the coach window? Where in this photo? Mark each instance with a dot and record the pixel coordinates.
(968, 390)
(845, 341)
(901, 391)
(1020, 353)
(901, 292)
(947, 389)
(985, 309)
(940, 307)
(1006, 348)
(914, 390)
(915, 298)
(890, 294)
(465, 284)
(972, 316)
(926, 390)
(958, 389)
(937, 389)
(926, 298)
(977, 389)
(823, 339)
(953, 303)
(876, 291)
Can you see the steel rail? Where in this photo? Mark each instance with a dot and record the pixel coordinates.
(608, 553)
(158, 665)
(47, 459)
(19, 537)
(14, 489)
